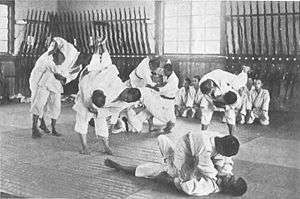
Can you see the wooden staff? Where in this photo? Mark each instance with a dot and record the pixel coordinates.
(31, 34)
(279, 29)
(71, 30)
(124, 43)
(128, 43)
(84, 34)
(137, 33)
(46, 33)
(287, 40)
(41, 37)
(81, 33)
(142, 33)
(258, 29)
(251, 29)
(240, 47)
(146, 33)
(87, 33)
(266, 29)
(36, 33)
(118, 38)
(112, 29)
(62, 25)
(294, 29)
(272, 29)
(67, 27)
(91, 32)
(134, 48)
(28, 28)
(94, 27)
(245, 28)
(232, 29)
(76, 28)
(107, 32)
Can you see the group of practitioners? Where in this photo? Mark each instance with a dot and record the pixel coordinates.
(198, 163)
(252, 100)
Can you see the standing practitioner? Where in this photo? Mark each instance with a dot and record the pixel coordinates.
(162, 100)
(46, 88)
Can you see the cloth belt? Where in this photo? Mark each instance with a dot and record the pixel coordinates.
(169, 98)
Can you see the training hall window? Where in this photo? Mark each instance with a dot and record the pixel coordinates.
(6, 29)
(192, 27)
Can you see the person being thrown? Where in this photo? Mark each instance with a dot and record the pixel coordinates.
(220, 90)
(101, 96)
(196, 164)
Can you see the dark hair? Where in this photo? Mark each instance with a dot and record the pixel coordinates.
(188, 80)
(98, 98)
(230, 97)
(136, 93)
(205, 86)
(168, 67)
(238, 188)
(56, 55)
(197, 77)
(230, 145)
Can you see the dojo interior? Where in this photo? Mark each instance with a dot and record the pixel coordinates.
(198, 37)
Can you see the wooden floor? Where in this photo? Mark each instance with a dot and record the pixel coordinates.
(51, 167)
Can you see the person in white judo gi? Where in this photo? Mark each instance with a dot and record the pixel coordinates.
(220, 89)
(45, 88)
(161, 100)
(197, 98)
(245, 101)
(101, 97)
(259, 104)
(52, 69)
(141, 75)
(184, 100)
(194, 164)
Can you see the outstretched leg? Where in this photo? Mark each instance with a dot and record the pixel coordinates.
(162, 177)
(127, 169)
